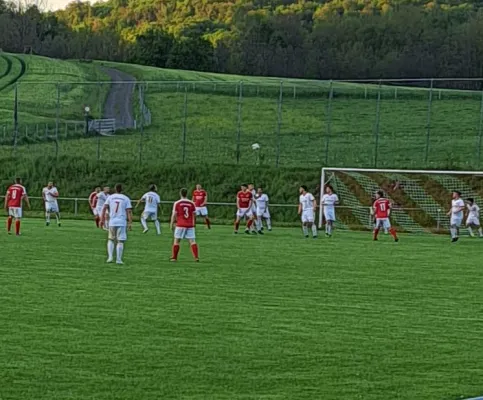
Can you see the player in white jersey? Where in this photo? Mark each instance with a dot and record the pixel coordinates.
(101, 200)
(50, 195)
(251, 189)
(151, 202)
(307, 207)
(473, 217)
(120, 220)
(329, 200)
(262, 210)
(456, 213)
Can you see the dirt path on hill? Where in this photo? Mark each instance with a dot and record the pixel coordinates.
(119, 102)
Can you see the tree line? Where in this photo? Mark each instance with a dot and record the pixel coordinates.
(335, 39)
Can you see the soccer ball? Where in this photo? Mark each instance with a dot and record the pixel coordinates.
(255, 146)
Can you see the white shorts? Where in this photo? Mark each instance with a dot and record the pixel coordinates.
(456, 221)
(264, 213)
(99, 211)
(94, 212)
(51, 207)
(117, 233)
(184, 233)
(383, 223)
(152, 215)
(244, 212)
(15, 212)
(329, 214)
(308, 216)
(473, 221)
(201, 211)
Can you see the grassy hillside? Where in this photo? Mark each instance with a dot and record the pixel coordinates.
(44, 83)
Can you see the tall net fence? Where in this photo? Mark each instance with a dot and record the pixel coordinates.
(295, 123)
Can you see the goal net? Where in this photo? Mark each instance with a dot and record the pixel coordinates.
(420, 199)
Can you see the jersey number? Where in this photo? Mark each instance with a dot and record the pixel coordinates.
(150, 199)
(117, 206)
(14, 195)
(382, 207)
(186, 212)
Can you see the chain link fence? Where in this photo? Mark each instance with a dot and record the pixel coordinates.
(403, 123)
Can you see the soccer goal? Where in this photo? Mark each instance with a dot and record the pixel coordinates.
(420, 198)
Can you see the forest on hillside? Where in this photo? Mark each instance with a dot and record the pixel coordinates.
(334, 39)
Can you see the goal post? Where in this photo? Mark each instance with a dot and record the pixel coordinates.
(420, 198)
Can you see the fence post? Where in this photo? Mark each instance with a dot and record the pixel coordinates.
(15, 118)
(428, 122)
(57, 112)
(279, 124)
(376, 124)
(185, 117)
(329, 122)
(480, 129)
(239, 122)
(98, 139)
(141, 118)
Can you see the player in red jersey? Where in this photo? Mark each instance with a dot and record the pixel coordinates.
(184, 216)
(200, 198)
(93, 205)
(13, 204)
(244, 200)
(382, 211)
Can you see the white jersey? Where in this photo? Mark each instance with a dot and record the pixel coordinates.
(457, 208)
(151, 200)
(307, 201)
(101, 199)
(118, 206)
(50, 194)
(329, 200)
(262, 202)
(473, 211)
(254, 199)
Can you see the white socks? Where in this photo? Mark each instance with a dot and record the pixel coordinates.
(47, 218)
(110, 249)
(158, 227)
(453, 232)
(306, 230)
(144, 224)
(314, 230)
(470, 231)
(57, 217)
(269, 223)
(119, 250)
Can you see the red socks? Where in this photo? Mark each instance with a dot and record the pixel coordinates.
(98, 221)
(194, 250)
(393, 233)
(17, 227)
(376, 232)
(174, 255)
(9, 223)
(249, 224)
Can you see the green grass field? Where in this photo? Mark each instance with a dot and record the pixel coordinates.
(273, 317)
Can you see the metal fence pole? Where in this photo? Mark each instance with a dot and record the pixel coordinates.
(428, 122)
(480, 130)
(141, 118)
(239, 122)
(184, 127)
(57, 120)
(15, 119)
(98, 139)
(328, 127)
(376, 125)
(279, 124)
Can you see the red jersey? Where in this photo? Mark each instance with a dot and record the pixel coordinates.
(381, 208)
(244, 199)
(93, 199)
(199, 197)
(185, 211)
(15, 194)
